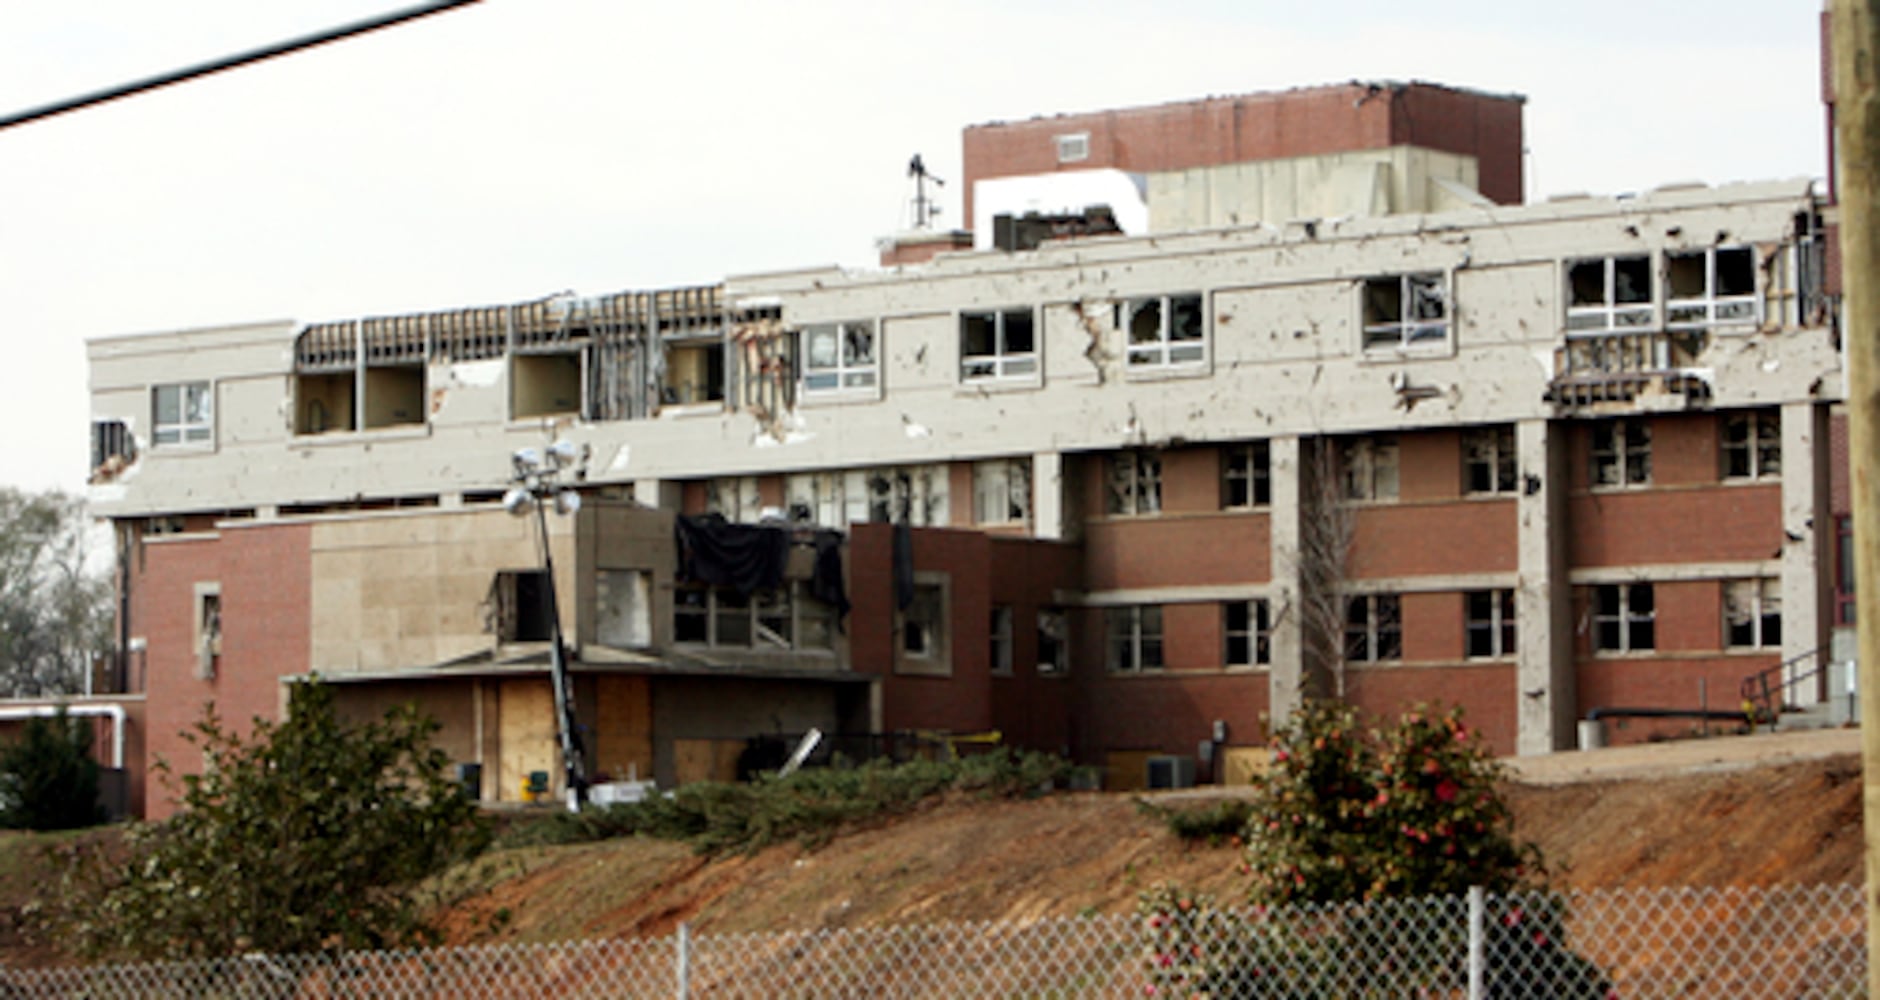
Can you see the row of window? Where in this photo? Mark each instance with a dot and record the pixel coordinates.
(1622, 618)
(1368, 467)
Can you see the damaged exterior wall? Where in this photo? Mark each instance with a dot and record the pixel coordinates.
(1282, 358)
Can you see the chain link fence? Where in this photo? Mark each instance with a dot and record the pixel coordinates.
(1784, 943)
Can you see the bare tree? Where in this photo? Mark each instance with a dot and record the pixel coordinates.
(1325, 535)
(55, 610)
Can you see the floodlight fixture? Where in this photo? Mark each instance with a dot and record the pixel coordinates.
(518, 501)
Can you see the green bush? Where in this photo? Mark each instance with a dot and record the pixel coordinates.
(1215, 823)
(48, 779)
(312, 834)
(809, 806)
(1343, 814)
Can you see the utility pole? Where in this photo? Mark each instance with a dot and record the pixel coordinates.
(1854, 47)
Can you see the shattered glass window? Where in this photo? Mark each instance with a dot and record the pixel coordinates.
(839, 356)
(1752, 445)
(1370, 467)
(1246, 475)
(1625, 618)
(1621, 453)
(1406, 312)
(1166, 331)
(1135, 483)
(1248, 631)
(1752, 613)
(1609, 293)
(1133, 638)
(1711, 289)
(1000, 344)
(1489, 459)
(1489, 623)
(1373, 628)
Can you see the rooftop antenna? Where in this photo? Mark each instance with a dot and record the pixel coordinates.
(924, 207)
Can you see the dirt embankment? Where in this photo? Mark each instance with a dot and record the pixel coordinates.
(1681, 822)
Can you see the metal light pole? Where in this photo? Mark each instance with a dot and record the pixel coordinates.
(537, 475)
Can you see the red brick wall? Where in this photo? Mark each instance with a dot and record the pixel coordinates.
(266, 592)
(981, 571)
(1178, 551)
(1638, 527)
(1475, 536)
(1167, 713)
(1249, 127)
(1486, 694)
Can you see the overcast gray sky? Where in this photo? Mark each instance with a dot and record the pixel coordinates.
(517, 148)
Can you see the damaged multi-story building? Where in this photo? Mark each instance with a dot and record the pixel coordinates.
(1311, 401)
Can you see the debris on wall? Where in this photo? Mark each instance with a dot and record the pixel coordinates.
(1095, 329)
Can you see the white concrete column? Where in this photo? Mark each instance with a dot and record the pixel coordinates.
(1048, 509)
(1287, 676)
(661, 493)
(1807, 533)
(1546, 702)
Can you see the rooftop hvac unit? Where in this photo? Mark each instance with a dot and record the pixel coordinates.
(1171, 772)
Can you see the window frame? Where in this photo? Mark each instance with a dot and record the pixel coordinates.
(1625, 617)
(1007, 367)
(1711, 311)
(197, 431)
(1379, 628)
(1141, 495)
(1072, 147)
(1370, 468)
(1009, 478)
(719, 608)
(1610, 315)
(931, 596)
(1254, 479)
(1627, 450)
(1491, 449)
(1254, 633)
(1763, 618)
(1134, 639)
(1490, 614)
(1002, 640)
(1409, 334)
(1159, 355)
(1758, 448)
(1054, 635)
(851, 377)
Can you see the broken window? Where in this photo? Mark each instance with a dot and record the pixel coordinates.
(394, 396)
(1165, 331)
(999, 629)
(519, 608)
(1002, 491)
(1133, 638)
(1622, 453)
(1246, 475)
(1373, 628)
(1001, 344)
(208, 632)
(1073, 147)
(623, 608)
(734, 498)
(780, 618)
(545, 385)
(1489, 623)
(1248, 631)
(916, 494)
(1488, 459)
(182, 413)
(1624, 618)
(1752, 445)
(1610, 293)
(1369, 465)
(1135, 483)
(1054, 643)
(923, 625)
(112, 449)
(1711, 289)
(839, 357)
(1406, 312)
(1752, 613)
(695, 373)
(323, 402)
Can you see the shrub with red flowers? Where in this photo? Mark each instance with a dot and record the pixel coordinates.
(1348, 814)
